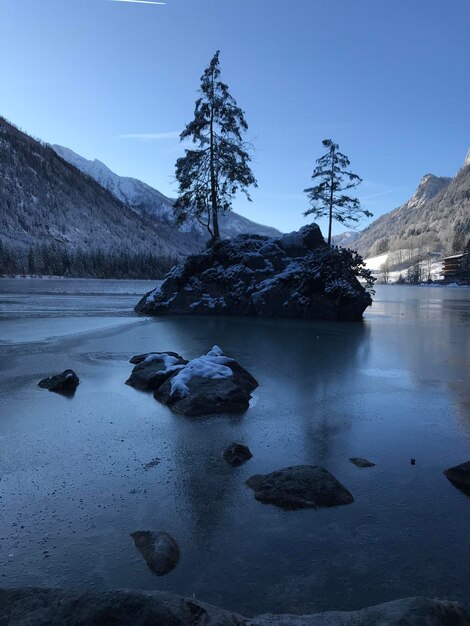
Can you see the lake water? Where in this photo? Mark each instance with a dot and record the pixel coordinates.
(73, 482)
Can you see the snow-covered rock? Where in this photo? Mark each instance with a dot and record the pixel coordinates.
(292, 276)
(211, 383)
(152, 369)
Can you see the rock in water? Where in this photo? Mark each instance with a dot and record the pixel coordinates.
(237, 454)
(65, 383)
(403, 612)
(160, 550)
(300, 487)
(212, 383)
(292, 276)
(459, 476)
(152, 369)
(360, 462)
(56, 607)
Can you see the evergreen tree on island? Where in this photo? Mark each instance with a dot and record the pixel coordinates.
(213, 172)
(327, 197)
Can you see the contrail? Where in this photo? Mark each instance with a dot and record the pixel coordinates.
(138, 1)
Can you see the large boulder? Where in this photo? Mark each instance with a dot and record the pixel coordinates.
(55, 607)
(159, 549)
(292, 276)
(300, 487)
(212, 383)
(65, 383)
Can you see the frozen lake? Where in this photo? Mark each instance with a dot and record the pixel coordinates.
(73, 483)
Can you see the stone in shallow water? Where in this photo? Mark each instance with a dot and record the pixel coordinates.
(237, 454)
(459, 476)
(212, 383)
(159, 549)
(152, 369)
(300, 487)
(360, 462)
(65, 383)
(56, 607)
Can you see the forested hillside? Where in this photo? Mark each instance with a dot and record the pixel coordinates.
(53, 218)
(436, 220)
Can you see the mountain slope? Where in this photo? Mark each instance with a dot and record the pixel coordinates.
(46, 200)
(428, 222)
(148, 200)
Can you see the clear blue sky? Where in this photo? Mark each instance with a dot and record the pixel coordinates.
(387, 80)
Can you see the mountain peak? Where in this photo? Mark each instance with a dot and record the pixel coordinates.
(467, 159)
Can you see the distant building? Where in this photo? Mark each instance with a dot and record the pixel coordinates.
(451, 267)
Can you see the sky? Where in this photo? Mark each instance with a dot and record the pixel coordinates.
(117, 81)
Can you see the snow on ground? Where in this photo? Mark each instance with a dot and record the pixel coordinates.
(210, 365)
(374, 263)
(428, 268)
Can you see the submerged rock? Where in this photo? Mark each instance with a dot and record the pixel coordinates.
(152, 369)
(360, 462)
(459, 476)
(56, 607)
(300, 487)
(65, 383)
(292, 276)
(237, 454)
(160, 550)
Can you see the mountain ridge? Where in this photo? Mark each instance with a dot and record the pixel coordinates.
(429, 222)
(145, 198)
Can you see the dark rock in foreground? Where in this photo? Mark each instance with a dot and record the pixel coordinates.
(405, 612)
(152, 369)
(54, 607)
(300, 487)
(65, 383)
(212, 383)
(237, 454)
(292, 276)
(459, 476)
(160, 550)
(360, 462)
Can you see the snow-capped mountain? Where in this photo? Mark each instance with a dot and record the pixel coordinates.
(44, 200)
(132, 191)
(346, 239)
(145, 198)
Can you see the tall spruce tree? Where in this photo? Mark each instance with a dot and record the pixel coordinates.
(211, 174)
(327, 197)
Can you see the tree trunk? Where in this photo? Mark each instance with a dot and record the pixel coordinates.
(331, 193)
(214, 207)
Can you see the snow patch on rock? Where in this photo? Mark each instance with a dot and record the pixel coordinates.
(211, 365)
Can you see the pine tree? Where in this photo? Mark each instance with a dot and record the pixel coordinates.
(212, 173)
(327, 197)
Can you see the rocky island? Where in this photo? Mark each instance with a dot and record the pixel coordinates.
(296, 275)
